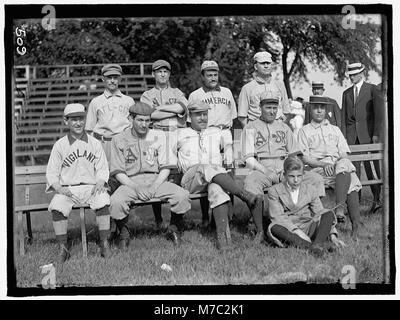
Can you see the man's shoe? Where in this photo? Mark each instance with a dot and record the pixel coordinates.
(105, 249)
(174, 237)
(317, 250)
(376, 205)
(161, 226)
(64, 253)
(340, 217)
(123, 244)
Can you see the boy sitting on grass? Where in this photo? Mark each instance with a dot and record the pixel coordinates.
(298, 217)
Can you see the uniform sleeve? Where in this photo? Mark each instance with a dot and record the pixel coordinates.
(342, 143)
(247, 142)
(227, 146)
(183, 102)
(117, 160)
(91, 116)
(101, 165)
(145, 98)
(233, 106)
(291, 143)
(303, 142)
(285, 99)
(277, 212)
(53, 170)
(166, 156)
(244, 102)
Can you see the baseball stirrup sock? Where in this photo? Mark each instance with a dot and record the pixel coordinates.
(324, 227)
(62, 238)
(289, 238)
(103, 211)
(103, 222)
(257, 214)
(221, 217)
(58, 216)
(122, 227)
(353, 206)
(177, 221)
(342, 184)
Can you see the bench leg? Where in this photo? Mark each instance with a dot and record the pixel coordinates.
(83, 232)
(29, 227)
(21, 233)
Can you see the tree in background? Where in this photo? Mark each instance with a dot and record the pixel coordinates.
(294, 42)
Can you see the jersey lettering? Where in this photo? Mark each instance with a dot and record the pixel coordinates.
(260, 139)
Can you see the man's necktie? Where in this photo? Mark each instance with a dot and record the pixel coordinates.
(355, 95)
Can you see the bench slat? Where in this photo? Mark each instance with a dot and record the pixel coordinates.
(366, 157)
(366, 147)
(30, 170)
(30, 179)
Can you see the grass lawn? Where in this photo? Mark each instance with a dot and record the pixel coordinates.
(196, 261)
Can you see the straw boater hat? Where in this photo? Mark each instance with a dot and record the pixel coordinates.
(354, 68)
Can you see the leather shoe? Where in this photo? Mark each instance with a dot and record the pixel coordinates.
(64, 254)
(174, 237)
(317, 250)
(105, 249)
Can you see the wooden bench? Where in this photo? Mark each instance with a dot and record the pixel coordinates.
(30, 176)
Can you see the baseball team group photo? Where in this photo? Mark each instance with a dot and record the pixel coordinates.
(228, 150)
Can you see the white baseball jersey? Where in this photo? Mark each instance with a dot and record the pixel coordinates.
(204, 147)
(223, 106)
(76, 162)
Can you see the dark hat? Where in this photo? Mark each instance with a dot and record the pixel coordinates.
(319, 100)
(198, 106)
(160, 64)
(110, 69)
(268, 97)
(317, 85)
(141, 108)
(74, 110)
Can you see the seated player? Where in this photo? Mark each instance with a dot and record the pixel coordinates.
(266, 142)
(200, 160)
(325, 150)
(298, 217)
(77, 171)
(141, 162)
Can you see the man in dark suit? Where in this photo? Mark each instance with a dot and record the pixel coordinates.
(362, 119)
(333, 113)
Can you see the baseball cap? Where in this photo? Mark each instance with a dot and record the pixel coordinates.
(161, 63)
(198, 106)
(74, 110)
(262, 56)
(141, 108)
(209, 65)
(111, 69)
(354, 68)
(319, 100)
(268, 97)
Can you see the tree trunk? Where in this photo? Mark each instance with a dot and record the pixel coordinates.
(286, 74)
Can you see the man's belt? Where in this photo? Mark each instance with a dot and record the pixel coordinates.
(222, 127)
(272, 157)
(100, 137)
(78, 184)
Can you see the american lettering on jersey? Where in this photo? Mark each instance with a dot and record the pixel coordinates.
(217, 100)
(75, 155)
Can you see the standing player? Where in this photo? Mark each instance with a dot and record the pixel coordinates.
(141, 162)
(333, 114)
(77, 171)
(200, 160)
(325, 150)
(266, 142)
(108, 113)
(362, 119)
(249, 98)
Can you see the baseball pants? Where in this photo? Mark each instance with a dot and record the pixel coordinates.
(198, 179)
(81, 194)
(121, 199)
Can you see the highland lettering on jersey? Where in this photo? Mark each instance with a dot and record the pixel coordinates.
(75, 155)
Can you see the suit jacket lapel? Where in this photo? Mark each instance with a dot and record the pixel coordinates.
(362, 92)
(285, 197)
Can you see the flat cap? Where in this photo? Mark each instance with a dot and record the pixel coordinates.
(111, 69)
(141, 108)
(74, 110)
(209, 65)
(268, 97)
(319, 100)
(161, 64)
(198, 106)
(317, 85)
(262, 56)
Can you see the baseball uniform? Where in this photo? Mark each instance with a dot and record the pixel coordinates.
(325, 142)
(200, 159)
(78, 165)
(141, 159)
(249, 98)
(107, 116)
(270, 144)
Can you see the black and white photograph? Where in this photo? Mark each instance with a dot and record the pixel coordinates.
(198, 149)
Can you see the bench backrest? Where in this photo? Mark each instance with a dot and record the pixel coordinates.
(27, 177)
